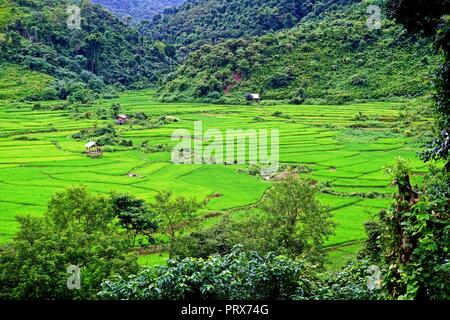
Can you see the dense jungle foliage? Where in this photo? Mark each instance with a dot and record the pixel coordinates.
(36, 35)
(199, 22)
(330, 57)
(138, 10)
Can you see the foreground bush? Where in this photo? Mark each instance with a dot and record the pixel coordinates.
(359, 280)
(415, 237)
(231, 277)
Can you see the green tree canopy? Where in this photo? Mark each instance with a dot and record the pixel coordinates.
(431, 17)
(77, 230)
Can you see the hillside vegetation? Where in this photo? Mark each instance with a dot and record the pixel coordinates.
(103, 52)
(138, 9)
(17, 82)
(199, 22)
(5, 11)
(291, 50)
(331, 56)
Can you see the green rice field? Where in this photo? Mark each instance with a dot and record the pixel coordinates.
(39, 157)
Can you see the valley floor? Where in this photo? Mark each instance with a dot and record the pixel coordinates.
(39, 157)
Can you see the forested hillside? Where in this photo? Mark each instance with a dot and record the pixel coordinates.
(138, 9)
(291, 50)
(35, 35)
(199, 22)
(331, 56)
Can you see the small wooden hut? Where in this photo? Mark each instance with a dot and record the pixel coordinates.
(121, 119)
(255, 97)
(93, 150)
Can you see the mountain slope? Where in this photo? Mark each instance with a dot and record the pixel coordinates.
(199, 22)
(330, 57)
(18, 83)
(103, 52)
(138, 9)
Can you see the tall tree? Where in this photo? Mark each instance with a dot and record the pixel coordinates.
(411, 238)
(297, 221)
(175, 214)
(431, 18)
(135, 216)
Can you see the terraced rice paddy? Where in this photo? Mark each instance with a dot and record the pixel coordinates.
(350, 162)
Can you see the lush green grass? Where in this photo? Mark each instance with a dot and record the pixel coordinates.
(155, 259)
(17, 82)
(348, 161)
(338, 257)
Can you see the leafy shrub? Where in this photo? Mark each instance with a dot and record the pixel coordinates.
(109, 149)
(352, 283)
(140, 116)
(126, 143)
(60, 106)
(277, 114)
(258, 119)
(204, 243)
(37, 106)
(361, 117)
(290, 221)
(25, 138)
(358, 80)
(235, 276)
(106, 140)
(104, 131)
(279, 80)
(296, 223)
(297, 100)
(111, 94)
(145, 147)
(83, 96)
